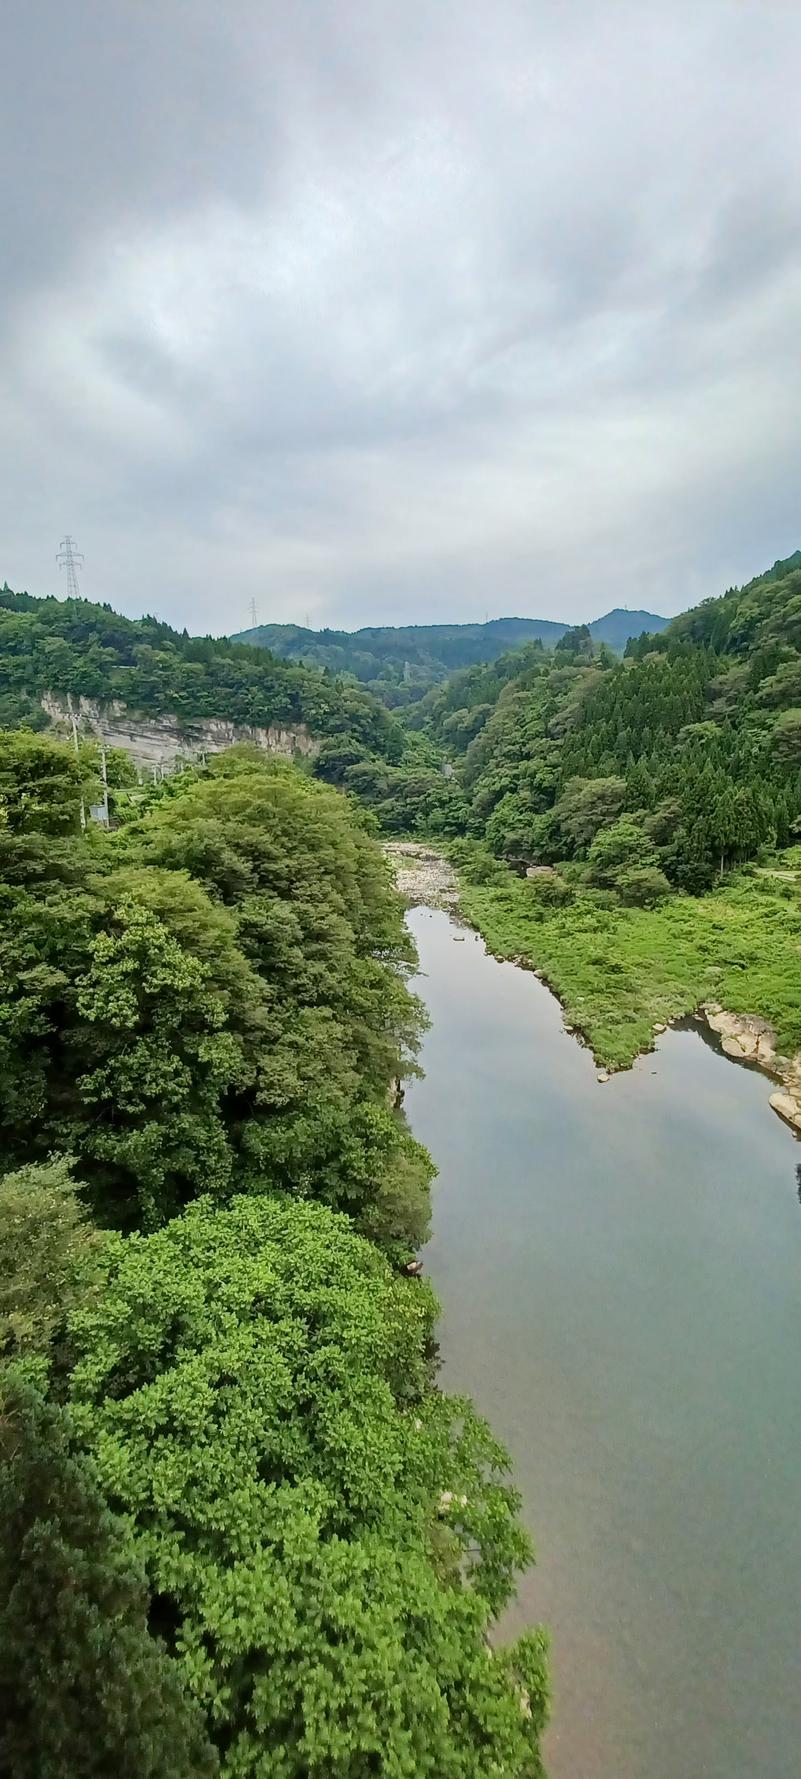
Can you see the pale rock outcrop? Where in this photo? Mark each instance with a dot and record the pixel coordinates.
(157, 743)
(743, 1035)
(749, 1039)
(788, 1108)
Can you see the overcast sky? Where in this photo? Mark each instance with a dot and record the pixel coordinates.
(399, 312)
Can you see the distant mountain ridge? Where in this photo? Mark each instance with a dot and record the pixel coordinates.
(413, 657)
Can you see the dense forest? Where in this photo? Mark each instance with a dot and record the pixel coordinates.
(402, 663)
(241, 1531)
(69, 645)
(658, 771)
(238, 1520)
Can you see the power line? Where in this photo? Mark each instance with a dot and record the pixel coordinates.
(71, 558)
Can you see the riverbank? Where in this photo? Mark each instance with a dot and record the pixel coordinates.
(623, 974)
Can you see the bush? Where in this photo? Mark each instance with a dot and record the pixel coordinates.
(549, 890)
(642, 886)
(476, 864)
(621, 847)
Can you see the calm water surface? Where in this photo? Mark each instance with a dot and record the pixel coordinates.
(620, 1274)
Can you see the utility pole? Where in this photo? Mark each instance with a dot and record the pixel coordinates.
(71, 558)
(104, 775)
(254, 616)
(74, 727)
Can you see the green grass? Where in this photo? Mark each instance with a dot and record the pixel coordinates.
(620, 971)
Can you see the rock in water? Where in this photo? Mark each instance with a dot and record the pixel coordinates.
(788, 1108)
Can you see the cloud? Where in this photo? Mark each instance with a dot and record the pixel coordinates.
(380, 313)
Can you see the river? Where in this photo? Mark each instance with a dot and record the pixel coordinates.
(620, 1273)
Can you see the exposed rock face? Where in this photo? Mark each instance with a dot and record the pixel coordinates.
(158, 742)
(540, 871)
(422, 876)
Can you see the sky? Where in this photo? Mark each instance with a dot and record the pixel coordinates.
(399, 312)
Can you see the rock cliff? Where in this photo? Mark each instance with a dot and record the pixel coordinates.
(156, 743)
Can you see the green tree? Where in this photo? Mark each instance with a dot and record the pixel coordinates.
(642, 886)
(618, 848)
(587, 805)
(328, 1539)
(577, 641)
(41, 783)
(786, 738)
(84, 1688)
(241, 1032)
(49, 1255)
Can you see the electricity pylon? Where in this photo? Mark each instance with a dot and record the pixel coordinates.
(71, 558)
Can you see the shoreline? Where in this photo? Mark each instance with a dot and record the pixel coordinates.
(425, 877)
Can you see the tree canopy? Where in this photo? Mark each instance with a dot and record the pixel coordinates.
(695, 736)
(326, 1538)
(241, 1531)
(216, 994)
(71, 646)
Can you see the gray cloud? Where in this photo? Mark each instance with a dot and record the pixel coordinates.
(384, 312)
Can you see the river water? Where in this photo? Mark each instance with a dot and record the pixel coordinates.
(620, 1273)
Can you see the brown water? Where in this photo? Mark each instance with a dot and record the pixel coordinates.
(620, 1274)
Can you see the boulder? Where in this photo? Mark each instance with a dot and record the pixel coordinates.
(743, 1036)
(602, 1076)
(744, 1044)
(788, 1108)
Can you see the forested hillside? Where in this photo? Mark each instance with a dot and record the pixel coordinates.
(240, 1530)
(401, 663)
(619, 787)
(663, 769)
(68, 645)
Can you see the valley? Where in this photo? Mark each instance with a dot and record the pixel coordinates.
(214, 1110)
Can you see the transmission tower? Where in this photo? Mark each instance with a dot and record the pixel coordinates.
(254, 616)
(71, 558)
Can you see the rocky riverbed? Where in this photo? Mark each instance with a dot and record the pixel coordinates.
(423, 876)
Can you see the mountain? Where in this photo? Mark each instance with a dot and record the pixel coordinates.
(617, 627)
(72, 647)
(688, 751)
(402, 662)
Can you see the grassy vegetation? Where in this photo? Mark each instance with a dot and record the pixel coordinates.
(620, 971)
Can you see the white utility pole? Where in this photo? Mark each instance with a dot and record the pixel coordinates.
(77, 751)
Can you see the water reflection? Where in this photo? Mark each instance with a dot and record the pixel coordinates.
(619, 1268)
